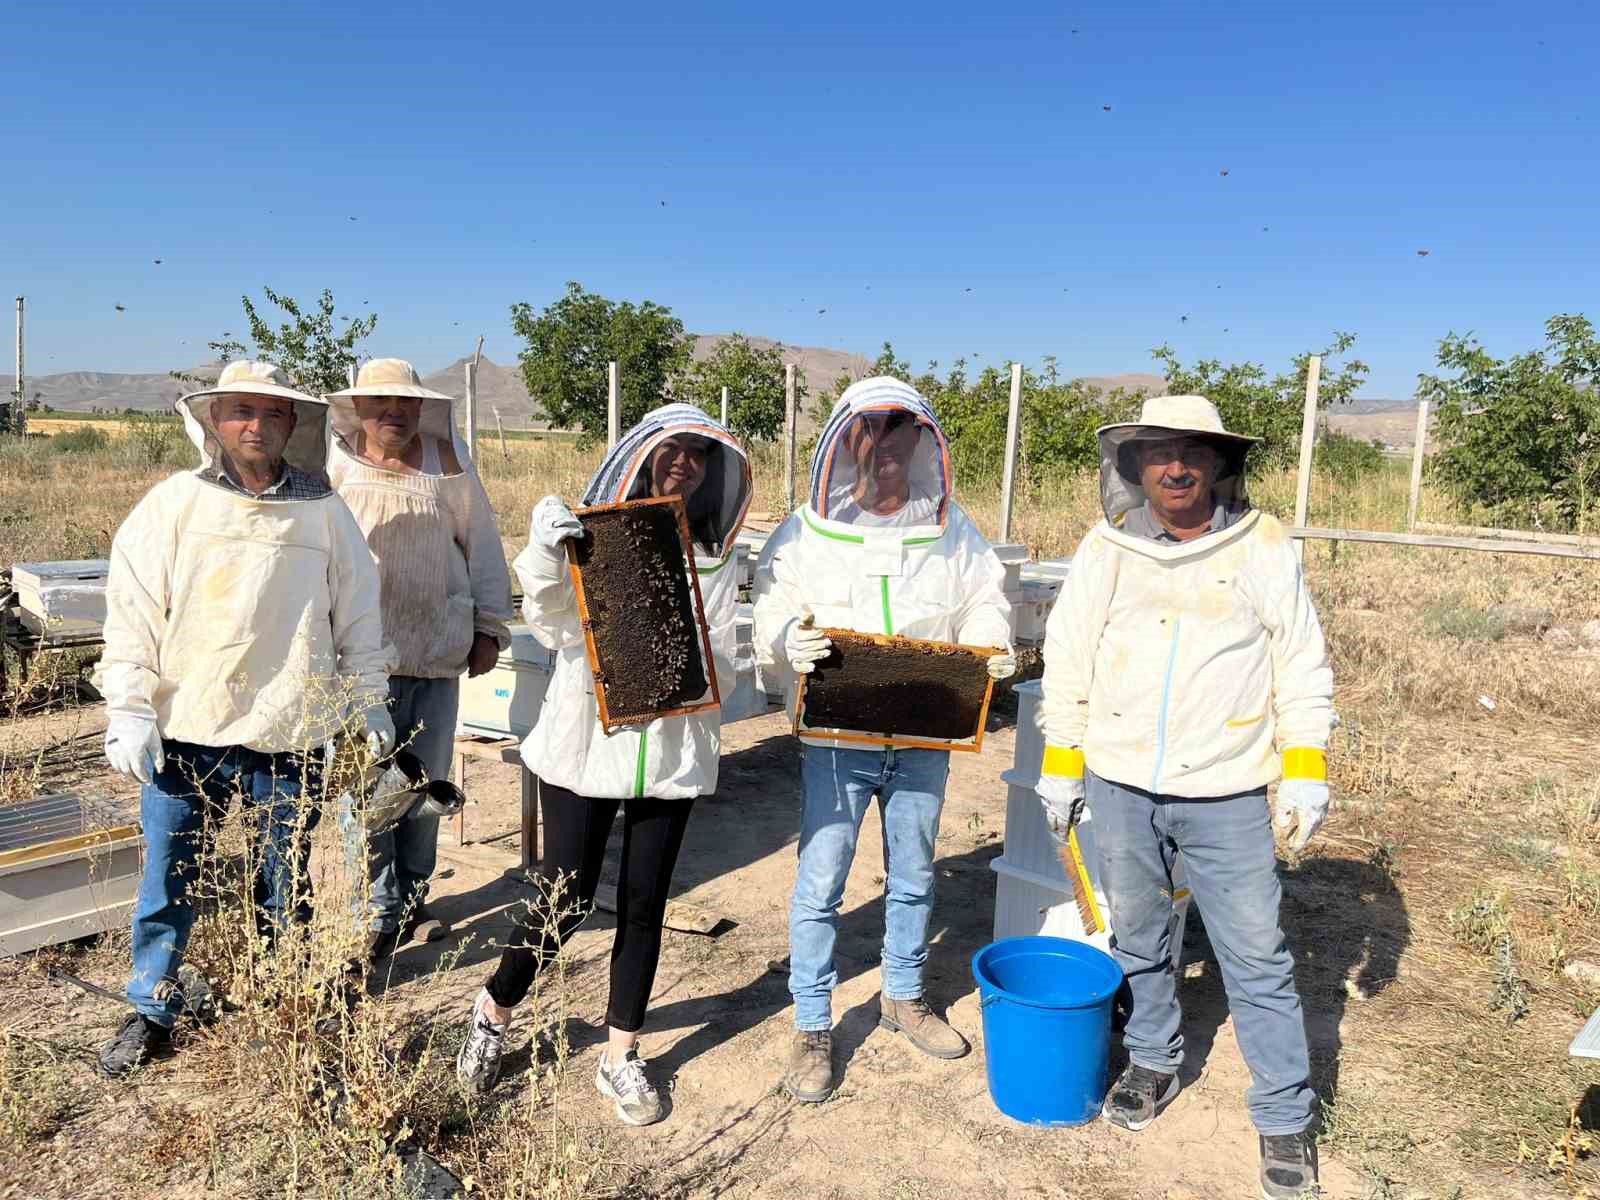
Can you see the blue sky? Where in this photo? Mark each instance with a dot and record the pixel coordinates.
(874, 161)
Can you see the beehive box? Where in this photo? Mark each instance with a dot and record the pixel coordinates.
(1030, 609)
(746, 697)
(1032, 892)
(505, 701)
(62, 599)
(643, 618)
(897, 691)
(69, 867)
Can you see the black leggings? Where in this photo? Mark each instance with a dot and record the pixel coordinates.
(576, 829)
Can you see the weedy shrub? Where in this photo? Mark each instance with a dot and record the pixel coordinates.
(152, 441)
(1455, 618)
(85, 439)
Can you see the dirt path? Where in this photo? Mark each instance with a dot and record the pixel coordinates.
(902, 1126)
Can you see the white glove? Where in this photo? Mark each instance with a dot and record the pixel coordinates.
(804, 646)
(553, 523)
(1303, 806)
(1061, 796)
(133, 747)
(1002, 666)
(380, 731)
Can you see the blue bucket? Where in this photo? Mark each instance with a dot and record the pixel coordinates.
(1046, 1026)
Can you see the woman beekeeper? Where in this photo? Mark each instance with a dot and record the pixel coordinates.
(653, 773)
(396, 461)
(882, 548)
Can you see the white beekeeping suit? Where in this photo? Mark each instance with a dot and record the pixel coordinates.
(433, 533)
(927, 572)
(238, 621)
(669, 758)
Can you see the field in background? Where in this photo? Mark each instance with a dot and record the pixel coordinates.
(1439, 913)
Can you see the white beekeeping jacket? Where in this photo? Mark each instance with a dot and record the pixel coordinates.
(237, 621)
(673, 757)
(440, 560)
(937, 578)
(1184, 668)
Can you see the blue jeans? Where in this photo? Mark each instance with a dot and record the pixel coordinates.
(400, 861)
(1226, 843)
(836, 787)
(180, 810)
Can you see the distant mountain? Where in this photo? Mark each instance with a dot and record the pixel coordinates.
(501, 386)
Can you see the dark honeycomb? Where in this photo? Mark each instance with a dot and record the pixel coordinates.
(897, 686)
(641, 611)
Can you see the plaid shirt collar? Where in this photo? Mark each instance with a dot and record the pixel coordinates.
(292, 484)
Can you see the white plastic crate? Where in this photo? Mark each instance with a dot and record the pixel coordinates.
(505, 701)
(1033, 893)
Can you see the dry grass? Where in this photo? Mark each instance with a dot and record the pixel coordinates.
(1459, 874)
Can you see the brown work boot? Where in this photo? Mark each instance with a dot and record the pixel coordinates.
(810, 1075)
(926, 1031)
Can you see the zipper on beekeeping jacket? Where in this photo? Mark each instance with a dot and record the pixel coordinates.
(1166, 700)
(638, 770)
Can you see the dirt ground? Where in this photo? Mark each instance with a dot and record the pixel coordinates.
(901, 1126)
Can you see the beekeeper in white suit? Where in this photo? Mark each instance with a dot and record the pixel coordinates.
(242, 630)
(1185, 671)
(652, 773)
(882, 548)
(413, 489)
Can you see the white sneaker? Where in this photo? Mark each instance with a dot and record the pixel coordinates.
(637, 1102)
(478, 1063)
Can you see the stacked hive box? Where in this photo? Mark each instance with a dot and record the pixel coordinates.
(1032, 893)
(505, 701)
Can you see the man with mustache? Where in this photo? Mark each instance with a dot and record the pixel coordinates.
(1183, 664)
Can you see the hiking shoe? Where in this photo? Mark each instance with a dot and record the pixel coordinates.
(382, 945)
(1138, 1097)
(925, 1030)
(478, 1063)
(1288, 1166)
(625, 1083)
(810, 1075)
(426, 925)
(136, 1039)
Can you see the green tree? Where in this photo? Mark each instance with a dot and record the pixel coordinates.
(1270, 407)
(567, 346)
(754, 379)
(1521, 435)
(1059, 418)
(308, 345)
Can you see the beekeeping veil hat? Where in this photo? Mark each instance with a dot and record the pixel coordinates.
(307, 448)
(394, 377)
(843, 475)
(1162, 418)
(717, 509)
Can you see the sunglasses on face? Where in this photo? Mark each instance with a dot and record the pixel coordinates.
(879, 424)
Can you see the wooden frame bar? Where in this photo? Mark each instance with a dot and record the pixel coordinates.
(892, 741)
(1590, 551)
(607, 725)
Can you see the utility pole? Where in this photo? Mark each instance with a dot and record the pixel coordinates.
(790, 425)
(19, 408)
(472, 402)
(1008, 488)
(724, 406)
